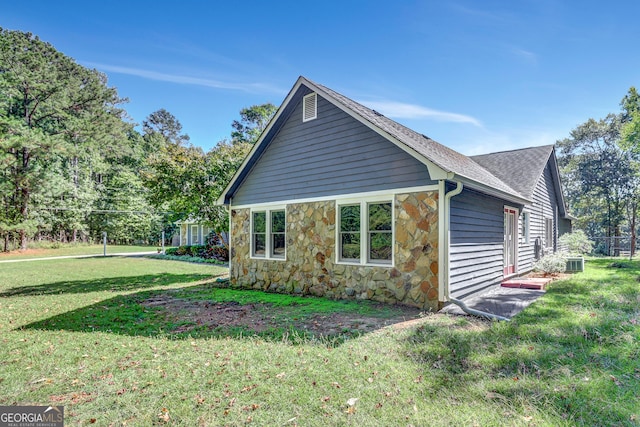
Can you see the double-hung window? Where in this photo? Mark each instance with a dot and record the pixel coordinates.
(365, 232)
(268, 233)
(548, 232)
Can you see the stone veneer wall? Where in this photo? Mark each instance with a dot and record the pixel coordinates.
(310, 266)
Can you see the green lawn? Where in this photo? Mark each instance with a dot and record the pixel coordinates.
(74, 333)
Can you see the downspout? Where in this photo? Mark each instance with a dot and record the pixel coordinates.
(447, 268)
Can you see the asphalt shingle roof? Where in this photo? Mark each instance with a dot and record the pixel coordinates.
(442, 156)
(520, 169)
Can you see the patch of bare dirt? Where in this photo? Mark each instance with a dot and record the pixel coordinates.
(262, 317)
(31, 252)
(555, 276)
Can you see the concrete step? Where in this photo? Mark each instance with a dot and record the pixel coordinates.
(539, 283)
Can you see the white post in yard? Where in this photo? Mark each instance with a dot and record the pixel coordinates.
(162, 242)
(104, 242)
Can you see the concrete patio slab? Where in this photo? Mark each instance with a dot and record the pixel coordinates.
(505, 302)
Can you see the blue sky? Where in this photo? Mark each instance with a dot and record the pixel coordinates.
(475, 76)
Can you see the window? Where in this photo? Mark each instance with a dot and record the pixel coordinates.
(380, 233)
(194, 235)
(268, 234)
(309, 107)
(526, 221)
(548, 232)
(350, 233)
(277, 234)
(259, 234)
(366, 233)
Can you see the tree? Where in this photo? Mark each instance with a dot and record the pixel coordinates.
(601, 172)
(163, 124)
(49, 106)
(253, 120)
(630, 141)
(598, 170)
(183, 179)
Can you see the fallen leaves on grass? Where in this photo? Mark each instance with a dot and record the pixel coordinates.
(352, 401)
(72, 398)
(163, 416)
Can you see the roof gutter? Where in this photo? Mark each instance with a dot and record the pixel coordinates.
(446, 253)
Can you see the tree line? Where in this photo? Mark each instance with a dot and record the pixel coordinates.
(73, 165)
(600, 167)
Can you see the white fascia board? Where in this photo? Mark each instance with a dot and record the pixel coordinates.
(555, 170)
(493, 191)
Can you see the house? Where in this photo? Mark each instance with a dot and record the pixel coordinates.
(191, 232)
(336, 199)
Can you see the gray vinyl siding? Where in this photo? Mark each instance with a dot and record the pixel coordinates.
(331, 155)
(477, 243)
(545, 205)
(477, 236)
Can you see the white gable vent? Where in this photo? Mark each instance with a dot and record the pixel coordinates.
(310, 107)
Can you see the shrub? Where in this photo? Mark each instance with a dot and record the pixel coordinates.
(196, 250)
(221, 253)
(551, 264)
(208, 252)
(171, 251)
(577, 242)
(181, 250)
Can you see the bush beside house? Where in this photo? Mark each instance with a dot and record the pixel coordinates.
(214, 249)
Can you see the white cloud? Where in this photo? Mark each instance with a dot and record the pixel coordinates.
(189, 80)
(401, 110)
(526, 55)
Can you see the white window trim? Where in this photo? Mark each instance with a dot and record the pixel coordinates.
(364, 237)
(306, 118)
(267, 245)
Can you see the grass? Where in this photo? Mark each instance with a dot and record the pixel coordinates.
(46, 251)
(571, 358)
